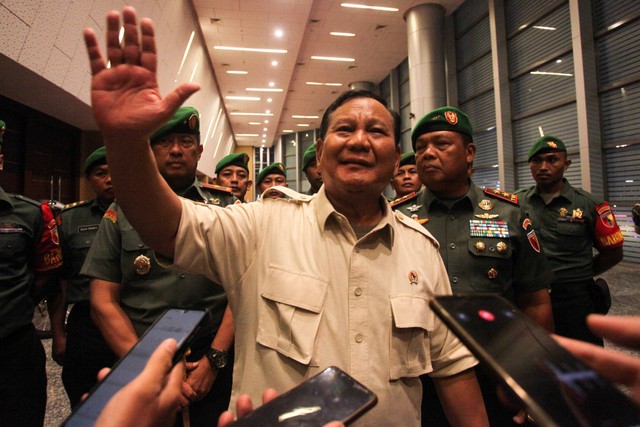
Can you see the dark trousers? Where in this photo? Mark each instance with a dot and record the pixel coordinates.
(87, 352)
(571, 302)
(23, 379)
(206, 412)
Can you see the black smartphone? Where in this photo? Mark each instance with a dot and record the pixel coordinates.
(556, 388)
(332, 395)
(182, 325)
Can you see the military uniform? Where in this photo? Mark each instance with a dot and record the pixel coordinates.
(569, 227)
(28, 245)
(86, 352)
(147, 289)
(487, 245)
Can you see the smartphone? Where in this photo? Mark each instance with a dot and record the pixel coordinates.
(182, 325)
(332, 395)
(556, 388)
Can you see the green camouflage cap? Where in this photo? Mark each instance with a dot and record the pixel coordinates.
(277, 168)
(546, 143)
(98, 157)
(185, 120)
(309, 156)
(443, 118)
(233, 159)
(408, 158)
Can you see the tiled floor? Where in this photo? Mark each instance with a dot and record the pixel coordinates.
(623, 281)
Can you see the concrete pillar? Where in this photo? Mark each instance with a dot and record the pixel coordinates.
(363, 85)
(427, 76)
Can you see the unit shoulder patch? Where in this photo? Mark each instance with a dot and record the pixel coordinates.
(502, 195)
(403, 199)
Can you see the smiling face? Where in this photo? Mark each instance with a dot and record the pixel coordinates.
(443, 159)
(358, 153)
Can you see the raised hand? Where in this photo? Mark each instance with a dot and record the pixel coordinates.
(126, 102)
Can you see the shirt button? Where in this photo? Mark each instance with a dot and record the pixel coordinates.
(87, 242)
(359, 338)
(454, 279)
(182, 276)
(452, 245)
(452, 217)
(140, 244)
(357, 291)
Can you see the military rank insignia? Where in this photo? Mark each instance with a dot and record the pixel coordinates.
(487, 228)
(531, 234)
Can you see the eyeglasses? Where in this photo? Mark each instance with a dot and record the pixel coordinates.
(185, 140)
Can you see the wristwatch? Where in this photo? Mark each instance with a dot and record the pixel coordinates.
(217, 358)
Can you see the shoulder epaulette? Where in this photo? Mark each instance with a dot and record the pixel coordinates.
(590, 196)
(27, 199)
(502, 195)
(403, 199)
(218, 188)
(75, 204)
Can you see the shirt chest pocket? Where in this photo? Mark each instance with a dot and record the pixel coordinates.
(290, 309)
(409, 354)
(572, 229)
(13, 248)
(137, 259)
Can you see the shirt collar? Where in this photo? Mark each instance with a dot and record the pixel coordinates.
(431, 202)
(567, 191)
(5, 201)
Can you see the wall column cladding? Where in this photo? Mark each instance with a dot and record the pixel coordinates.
(425, 35)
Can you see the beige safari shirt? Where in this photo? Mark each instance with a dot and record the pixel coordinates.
(306, 294)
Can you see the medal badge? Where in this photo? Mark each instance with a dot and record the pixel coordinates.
(563, 211)
(142, 265)
(413, 278)
(414, 208)
(577, 213)
(485, 204)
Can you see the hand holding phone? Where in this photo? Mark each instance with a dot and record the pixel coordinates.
(332, 395)
(556, 388)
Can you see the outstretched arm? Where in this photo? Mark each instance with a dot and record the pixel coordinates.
(128, 108)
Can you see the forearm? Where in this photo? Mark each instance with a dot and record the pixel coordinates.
(462, 400)
(606, 259)
(224, 337)
(57, 308)
(537, 305)
(106, 313)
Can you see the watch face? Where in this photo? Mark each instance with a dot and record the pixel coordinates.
(217, 358)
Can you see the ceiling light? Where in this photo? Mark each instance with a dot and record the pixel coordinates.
(287, 130)
(551, 73)
(305, 117)
(255, 123)
(237, 72)
(264, 129)
(266, 122)
(332, 58)
(267, 111)
(262, 89)
(323, 84)
(279, 33)
(271, 84)
(269, 99)
(243, 98)
(247, 134)
(250, 114)
(250, 49)
(541, 27)
(303, 124)
(264, 135)
(274, 63)
(339, 34)
(364, 6)
(264, 140)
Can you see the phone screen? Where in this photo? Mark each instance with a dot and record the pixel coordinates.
(329, 396)
(179, 324)
(557, 388)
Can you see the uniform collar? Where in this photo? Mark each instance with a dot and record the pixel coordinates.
(5, 201)
(567, 191)
(466, 202)
(327, 215)
(195, 189)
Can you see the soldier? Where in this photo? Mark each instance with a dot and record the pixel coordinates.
(30, 252)
(129, 290)
(486, 242)
(311, 169)
(272, 176)
(82, 350)
(232, 171)
(406, 180)
(570, 223)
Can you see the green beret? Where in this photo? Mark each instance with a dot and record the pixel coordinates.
(185, 120)
(309, 156)
(277, 168)
(234, 159)
(2, 124)
(444, 118)
(98, 157)
(408, 158)
(547, 143)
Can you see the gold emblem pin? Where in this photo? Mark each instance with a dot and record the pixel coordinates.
(577, 213)
(486, 215)
(214, 201)
(480, 246)
(502, 248)
(563, 211)
(142, 264)
(492, 274)
(485, 205)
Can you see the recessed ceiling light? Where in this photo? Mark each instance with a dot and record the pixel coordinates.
(271, 84)
(247, 134)
(263, 89)
(269, 99)
(364, 6)
(250, 49)
(266, 122)
(237, 72)
(255, 123)
(264, 129)
(279, 33)
(305, 117)
(303, 124)
(243, 98)
(236, 113)
(323, 84)
(340, 34)
(287, 130)
(264, 135)
(332, 58)
(274, 63)
(267, 111)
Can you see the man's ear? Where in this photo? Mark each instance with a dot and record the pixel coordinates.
(199, 149)
(249, 185)
(567, 163)
(215, 181)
